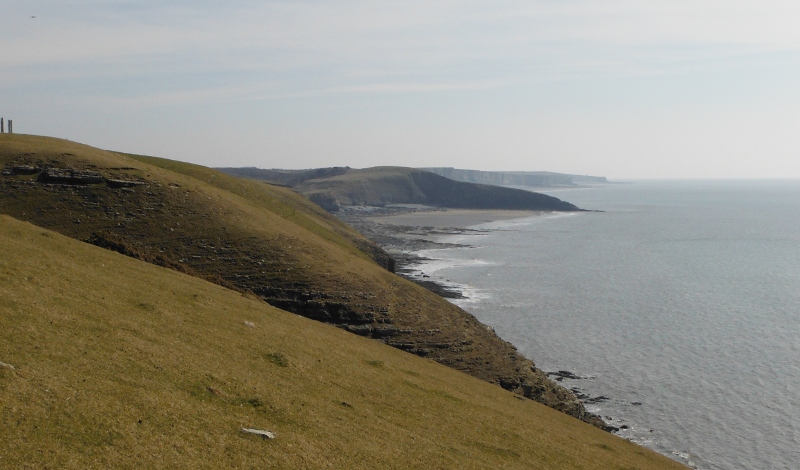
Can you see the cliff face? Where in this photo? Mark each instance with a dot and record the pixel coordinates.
(537, 179)
(259, 239)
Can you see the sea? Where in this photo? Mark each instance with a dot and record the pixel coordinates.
(676, 305)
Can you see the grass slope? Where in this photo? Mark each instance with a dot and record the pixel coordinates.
(122, 364)
(257, 238)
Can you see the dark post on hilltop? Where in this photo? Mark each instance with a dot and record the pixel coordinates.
(2, 126)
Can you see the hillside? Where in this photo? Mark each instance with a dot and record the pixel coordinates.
(257, 238)
(379, 186)
(109, 362)
(284, 177)
(396, 185)
(536, 179)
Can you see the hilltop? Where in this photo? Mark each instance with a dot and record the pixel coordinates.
(380, 186)
(110, 362)
(256, 238)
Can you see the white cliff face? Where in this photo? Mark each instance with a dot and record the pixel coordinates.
(536, 179)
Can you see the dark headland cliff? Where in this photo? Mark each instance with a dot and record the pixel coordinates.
(381, 186)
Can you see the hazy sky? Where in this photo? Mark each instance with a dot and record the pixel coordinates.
(624, 89)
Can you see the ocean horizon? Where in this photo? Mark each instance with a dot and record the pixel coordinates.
(676, 307)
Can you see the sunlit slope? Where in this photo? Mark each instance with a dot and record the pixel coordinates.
(109, 362)
(279, 200)
(256, 238)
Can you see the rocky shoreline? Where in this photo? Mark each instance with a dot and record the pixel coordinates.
(403, 241)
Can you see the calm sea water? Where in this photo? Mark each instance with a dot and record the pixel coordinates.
(680, 303)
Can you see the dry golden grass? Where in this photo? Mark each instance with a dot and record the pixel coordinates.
(122, 364)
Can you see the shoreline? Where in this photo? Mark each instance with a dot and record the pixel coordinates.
(404, 231)
(459, 219)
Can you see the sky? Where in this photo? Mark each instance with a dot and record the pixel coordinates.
(618, 88)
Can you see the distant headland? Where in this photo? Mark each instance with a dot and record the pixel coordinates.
(334, 187)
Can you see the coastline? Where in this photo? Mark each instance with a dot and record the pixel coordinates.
(406, 230)
(451, 218)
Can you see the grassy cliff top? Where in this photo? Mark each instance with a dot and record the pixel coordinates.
(108, 362)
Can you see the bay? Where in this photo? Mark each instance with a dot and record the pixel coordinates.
(680, 303)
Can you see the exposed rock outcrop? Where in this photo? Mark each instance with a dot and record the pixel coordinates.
(70, 176)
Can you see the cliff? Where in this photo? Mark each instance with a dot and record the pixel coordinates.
(259, 239)
(536, 179)
(109, 362)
